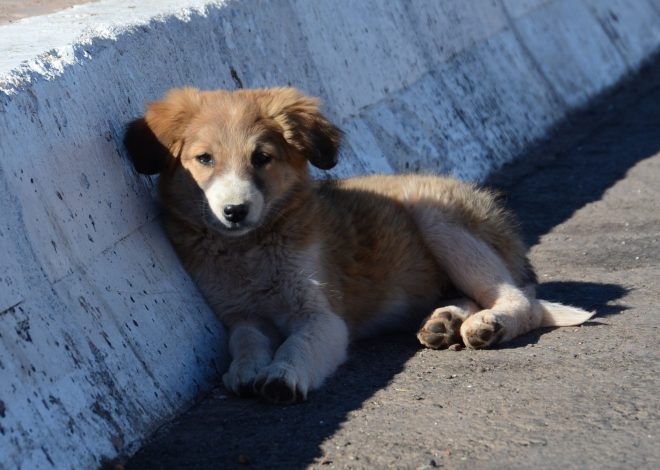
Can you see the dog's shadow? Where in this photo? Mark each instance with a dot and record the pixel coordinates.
(590, 296)
(224, 431)
(237, 431)
(228, 432)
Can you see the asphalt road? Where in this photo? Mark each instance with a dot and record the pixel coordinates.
(14, 10)
(579, 397)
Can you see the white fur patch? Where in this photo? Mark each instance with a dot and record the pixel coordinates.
(230, 189)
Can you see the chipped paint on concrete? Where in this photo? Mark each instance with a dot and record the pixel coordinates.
(102, 334)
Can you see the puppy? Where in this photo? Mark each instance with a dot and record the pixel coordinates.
(296, 269)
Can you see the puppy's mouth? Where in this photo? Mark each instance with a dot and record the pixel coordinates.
(232, 229)
(236, 229)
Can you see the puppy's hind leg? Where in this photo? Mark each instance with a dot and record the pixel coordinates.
(481, 274)
(441, 329)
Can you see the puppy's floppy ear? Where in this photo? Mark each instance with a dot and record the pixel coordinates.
(157, 137)
(305, 128)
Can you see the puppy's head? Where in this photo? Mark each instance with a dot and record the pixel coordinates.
(231, 160)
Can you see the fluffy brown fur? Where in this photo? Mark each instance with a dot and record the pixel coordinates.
(296, 268)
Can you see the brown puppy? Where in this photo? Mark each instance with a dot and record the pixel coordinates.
(296, 268)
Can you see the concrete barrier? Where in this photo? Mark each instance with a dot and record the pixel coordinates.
(102, 335)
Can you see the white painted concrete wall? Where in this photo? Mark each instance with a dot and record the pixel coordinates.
(102, 335)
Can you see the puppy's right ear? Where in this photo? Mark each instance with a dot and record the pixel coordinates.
(156, 138)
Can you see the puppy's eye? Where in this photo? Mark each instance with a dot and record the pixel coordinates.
(205, 159)
(260, 159)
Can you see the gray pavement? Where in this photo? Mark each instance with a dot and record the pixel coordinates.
(580, 397)
(14, 10)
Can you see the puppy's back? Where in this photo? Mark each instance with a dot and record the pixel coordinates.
(478, 210)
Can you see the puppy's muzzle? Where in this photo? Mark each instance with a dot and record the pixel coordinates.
(235, 213)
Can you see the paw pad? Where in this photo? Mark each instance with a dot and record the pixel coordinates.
(440, 330)
(483, 334)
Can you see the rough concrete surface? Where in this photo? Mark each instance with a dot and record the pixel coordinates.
(579, 397)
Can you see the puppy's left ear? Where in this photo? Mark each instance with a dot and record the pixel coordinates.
(305, 128)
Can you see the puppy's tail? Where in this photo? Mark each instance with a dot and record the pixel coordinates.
(555, 314)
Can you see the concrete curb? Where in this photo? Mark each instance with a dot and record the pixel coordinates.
(102, 335)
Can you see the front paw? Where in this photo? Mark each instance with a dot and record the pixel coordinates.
(281, 384)
(240, 377)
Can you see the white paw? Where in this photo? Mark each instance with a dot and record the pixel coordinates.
(240, 377)
(281, 383)
(483, 329)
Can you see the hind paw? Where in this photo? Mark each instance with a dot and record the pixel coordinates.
(441, 329)
(482, 330)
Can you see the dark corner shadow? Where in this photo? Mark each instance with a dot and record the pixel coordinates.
(227, 432)
(585, 155)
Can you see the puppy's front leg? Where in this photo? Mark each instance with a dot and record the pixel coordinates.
(316, 347)
(251, 350)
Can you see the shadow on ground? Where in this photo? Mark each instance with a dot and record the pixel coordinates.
(572, 168)
(560, 176)
(590, 296)
(587, 295)
(225, 432)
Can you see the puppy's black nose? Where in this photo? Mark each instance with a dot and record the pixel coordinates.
(235, 213)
